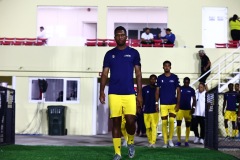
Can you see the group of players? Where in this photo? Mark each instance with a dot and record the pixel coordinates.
(168, 97)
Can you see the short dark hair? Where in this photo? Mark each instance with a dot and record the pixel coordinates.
(120, 28)
(186, 79)
(153, 75)
(236, 84)
(165, 62)
(201, 83)
(230, 84)
(41, 27)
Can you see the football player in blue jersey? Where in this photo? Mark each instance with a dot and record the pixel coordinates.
(121, 61)
(230, 99)
(151, 116)
(168, 91)
(185, 110)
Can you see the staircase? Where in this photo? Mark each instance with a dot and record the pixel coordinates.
(224, 71)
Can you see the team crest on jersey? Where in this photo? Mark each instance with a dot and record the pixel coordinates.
(172, 81)
(113, 56)
(147, 91)
(188, 91)
(127, 55)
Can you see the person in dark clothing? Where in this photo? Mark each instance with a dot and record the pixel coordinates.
(205, 66)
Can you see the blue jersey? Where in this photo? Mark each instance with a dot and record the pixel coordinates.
(168, 86)
(231, 98)
(186, 95)
(148, 94)
(121, 64)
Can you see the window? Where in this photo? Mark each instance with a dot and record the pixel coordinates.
(67, 25)
(54, 90)
(136, 19)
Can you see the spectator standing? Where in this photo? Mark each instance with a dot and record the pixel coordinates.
(205, 66)
(234, 23)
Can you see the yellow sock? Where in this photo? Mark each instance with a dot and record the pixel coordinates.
(179, 133)
(171, 127)
(236, 132)
(124, 133)
(164, 131)
(227, 131)
(149, 135)
(130, 139)
(117, 145)
(154, 134)
(187, 134)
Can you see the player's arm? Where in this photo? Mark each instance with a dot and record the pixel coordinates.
(157, 98)
(139, 85)
(178, 99)
(224, 105)
(103, 82)
(193, 104)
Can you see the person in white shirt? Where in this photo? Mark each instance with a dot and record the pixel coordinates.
(147, 37)
(42, 33)
(199, 114)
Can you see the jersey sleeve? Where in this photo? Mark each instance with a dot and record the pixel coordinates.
(193, 93)
(159, 81)
(137, 60)
(106, 61)
(177, 82)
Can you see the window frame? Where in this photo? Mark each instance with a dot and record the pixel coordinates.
(64, 91)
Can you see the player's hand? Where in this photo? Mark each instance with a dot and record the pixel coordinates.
(192, 110)
(139, 109)
(176, 107)
(102, 98)
(139, 100)
(157, 107)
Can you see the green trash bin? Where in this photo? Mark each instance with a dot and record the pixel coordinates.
(56, 120)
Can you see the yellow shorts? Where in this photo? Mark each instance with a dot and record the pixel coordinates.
(186, 114)
(151, 119)
(166, 109)
(122, 104)
(230, 115)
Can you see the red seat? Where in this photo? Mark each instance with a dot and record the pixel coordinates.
(168, 45)
(2, 39)
(157, 45)
(7, 43)
(39, 43)
(102, 42)
(134, 42)
(146, 45)
(112, 44)
(234, 42)
(28, 43)
(44, 40)
(221, 45)
(9, 39)
(18, 43)
(20, 39)
(91, 43)
(232, 45)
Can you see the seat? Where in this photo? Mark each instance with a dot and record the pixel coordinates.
(44, 40)
(102, 42)
(112, 43)
(29, 43)
(134, 42)
(9, 39)
(2, 38)
(220, 45)
(91, 43)
(18, 43)
(232, 45)
(168, 45)
(39, 43)
(157, 45)
(7, 43)
(234, 41)
(146, 45)
(20, 39)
